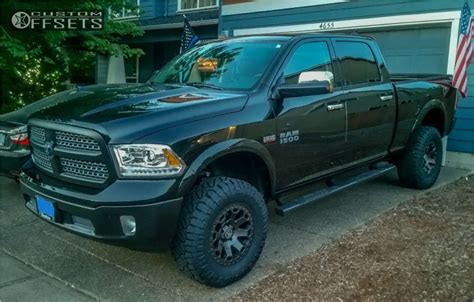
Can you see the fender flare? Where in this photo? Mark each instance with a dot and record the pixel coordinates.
(221, 149)
(430, 105)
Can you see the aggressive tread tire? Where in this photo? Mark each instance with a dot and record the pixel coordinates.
(410, 166)
(191, 247)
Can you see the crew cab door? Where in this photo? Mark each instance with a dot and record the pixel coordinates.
(311, 128)
(369, 98)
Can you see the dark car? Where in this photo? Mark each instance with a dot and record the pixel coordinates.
(191, 158)
(14, 147)
(14, 141)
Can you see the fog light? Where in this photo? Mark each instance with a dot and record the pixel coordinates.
(129, 226)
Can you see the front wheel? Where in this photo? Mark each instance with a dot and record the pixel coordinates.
(420, 165)
(222, 231)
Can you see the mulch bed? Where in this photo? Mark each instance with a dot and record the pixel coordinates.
(423, 249)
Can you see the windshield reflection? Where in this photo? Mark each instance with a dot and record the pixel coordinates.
(220, 65)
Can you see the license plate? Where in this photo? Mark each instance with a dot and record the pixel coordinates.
(45, 207)
(2, 139)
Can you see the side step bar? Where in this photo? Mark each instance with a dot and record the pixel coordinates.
(332, 188)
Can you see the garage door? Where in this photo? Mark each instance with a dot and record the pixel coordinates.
(414, 50)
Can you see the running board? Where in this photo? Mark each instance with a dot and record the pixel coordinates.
(332, 188)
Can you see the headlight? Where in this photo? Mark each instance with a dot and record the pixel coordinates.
(147, 160)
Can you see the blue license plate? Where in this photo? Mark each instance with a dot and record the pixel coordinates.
(45, 207)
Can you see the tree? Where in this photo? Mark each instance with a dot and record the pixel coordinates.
(34, 63)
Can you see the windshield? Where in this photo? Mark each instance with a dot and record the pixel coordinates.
(223, 65)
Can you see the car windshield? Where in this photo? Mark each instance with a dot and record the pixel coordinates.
(234, 65)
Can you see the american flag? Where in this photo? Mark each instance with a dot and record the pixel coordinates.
(189, 38)
(464, 51)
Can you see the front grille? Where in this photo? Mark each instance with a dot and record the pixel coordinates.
(42, 160)
(68, 156)
(76, 141)
(37, 135)
(84, 169)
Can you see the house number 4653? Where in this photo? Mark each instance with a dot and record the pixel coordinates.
(326, 25)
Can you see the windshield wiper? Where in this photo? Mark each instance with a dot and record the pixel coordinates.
(204, 85)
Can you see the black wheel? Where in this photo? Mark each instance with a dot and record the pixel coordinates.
(420, 165)
(222, 231)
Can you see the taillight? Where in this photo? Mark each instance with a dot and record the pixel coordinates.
(20, 139)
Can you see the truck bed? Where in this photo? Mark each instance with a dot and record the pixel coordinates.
(430, 77)
(413, 91)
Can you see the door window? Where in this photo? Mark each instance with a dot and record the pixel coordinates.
(313, 56)
(357, 62)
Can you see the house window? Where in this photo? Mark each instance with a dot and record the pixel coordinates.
(196, 4)
(129, 10)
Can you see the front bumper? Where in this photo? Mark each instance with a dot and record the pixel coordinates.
(155, 219)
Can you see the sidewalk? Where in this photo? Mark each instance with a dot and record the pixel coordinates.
(20, 282)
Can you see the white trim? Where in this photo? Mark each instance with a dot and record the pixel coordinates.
(453, 44)
(180, 10)
(451, 17)
(440, 17)
(269, 5)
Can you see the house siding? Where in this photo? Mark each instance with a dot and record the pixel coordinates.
(148, 8)
(172, 7)
(461, 138)
(160, 8)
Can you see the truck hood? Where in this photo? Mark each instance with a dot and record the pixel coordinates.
(124, 113)
(20, 117)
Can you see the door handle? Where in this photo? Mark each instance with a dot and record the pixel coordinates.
(335, 107)
(385, 98)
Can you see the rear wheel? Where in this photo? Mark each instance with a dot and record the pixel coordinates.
(420, 165)
(222, 231)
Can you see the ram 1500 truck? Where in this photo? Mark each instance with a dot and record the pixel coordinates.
(191, 158)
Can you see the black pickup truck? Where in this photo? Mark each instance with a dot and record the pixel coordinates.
(190, 159)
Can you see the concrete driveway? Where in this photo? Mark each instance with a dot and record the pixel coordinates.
(99, 271)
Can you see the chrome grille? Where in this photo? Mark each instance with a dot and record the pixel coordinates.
(76, 141)
(84, 169)
(37, 135)
(42, 160)
(69, 156)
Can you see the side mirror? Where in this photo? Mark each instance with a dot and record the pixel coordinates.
(309, 83)
(303, 89)
(316, 76)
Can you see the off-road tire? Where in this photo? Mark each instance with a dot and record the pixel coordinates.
(193, 245)
(412, 166)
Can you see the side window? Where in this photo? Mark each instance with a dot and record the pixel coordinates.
(357, 62)
(312, 56)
